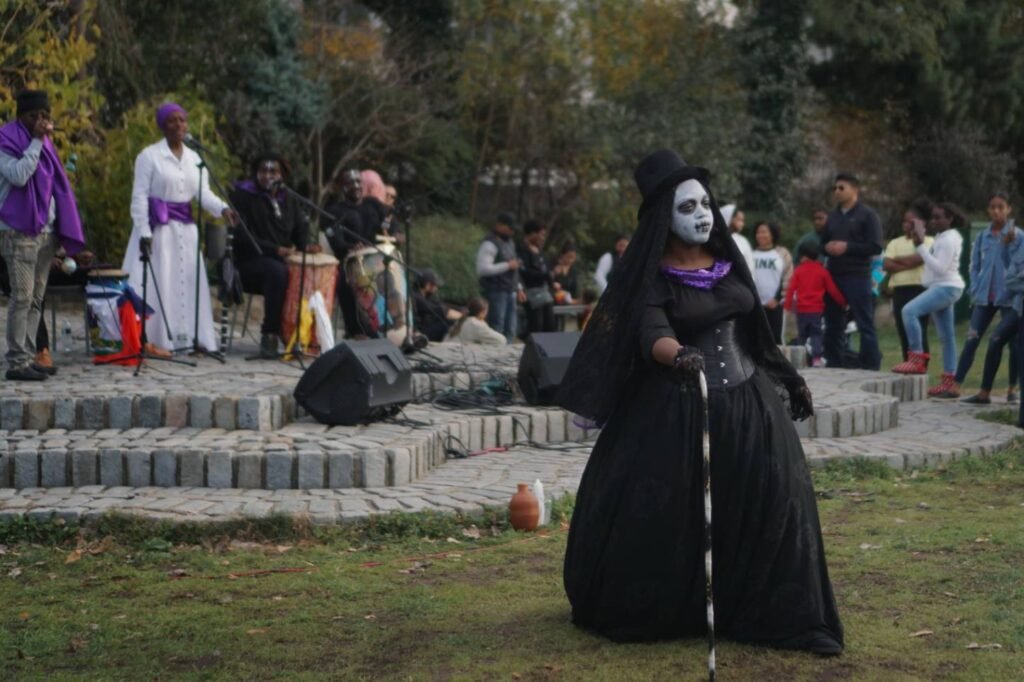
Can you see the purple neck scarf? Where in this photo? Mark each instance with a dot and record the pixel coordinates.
(27, 209)
(705, 278)
(251, 187)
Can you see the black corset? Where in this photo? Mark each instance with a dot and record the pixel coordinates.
(726, 364)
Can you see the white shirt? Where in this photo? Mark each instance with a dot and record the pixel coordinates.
(942, 260)
(744, 247)
(485, 265)
(159, 173)
(768, 267)
(604, 268)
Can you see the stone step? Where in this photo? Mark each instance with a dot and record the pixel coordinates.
(299, 455)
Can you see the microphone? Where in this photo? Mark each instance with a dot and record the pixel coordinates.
(193, 143)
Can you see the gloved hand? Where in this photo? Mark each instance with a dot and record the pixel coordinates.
(688, 364)
(800, 405)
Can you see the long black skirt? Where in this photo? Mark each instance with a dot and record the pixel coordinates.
(634, 565)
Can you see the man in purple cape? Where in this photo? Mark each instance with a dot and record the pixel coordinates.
(37, 210)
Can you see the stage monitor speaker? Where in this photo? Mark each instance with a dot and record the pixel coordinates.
(543, 363)
(356, 382)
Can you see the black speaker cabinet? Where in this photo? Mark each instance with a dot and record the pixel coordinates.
(543, 363)
(356, 382)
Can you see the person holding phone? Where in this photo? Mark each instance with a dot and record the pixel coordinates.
(905, 268)
(943, 288)
(989, 298)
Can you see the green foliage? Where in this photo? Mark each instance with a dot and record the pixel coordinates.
(774, 74)
(52, 531)
(449, 246)
(106, 172)
(940, 156)
(45, 46)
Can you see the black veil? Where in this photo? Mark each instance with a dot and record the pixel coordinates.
(608, 352)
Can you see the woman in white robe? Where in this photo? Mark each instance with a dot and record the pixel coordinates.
(167, 180)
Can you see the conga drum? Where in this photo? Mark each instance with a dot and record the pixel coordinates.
(103, 292)
(372, 285)
(321, 275)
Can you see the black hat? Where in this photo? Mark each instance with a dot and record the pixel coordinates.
(663, 169)
(428, 276)
(506, 218)
(32, 100)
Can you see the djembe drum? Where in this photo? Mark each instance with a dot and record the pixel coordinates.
(373, 284)
(321, 275)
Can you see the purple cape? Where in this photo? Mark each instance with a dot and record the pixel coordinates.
(27, 208)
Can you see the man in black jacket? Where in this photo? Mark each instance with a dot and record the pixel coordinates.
(279, 227)
(852, 237)
(358, 223)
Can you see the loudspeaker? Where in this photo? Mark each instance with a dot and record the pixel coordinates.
(356, 382)
(543, 363)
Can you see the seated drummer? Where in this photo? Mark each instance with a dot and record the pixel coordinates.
(358, 223)
(279, 227)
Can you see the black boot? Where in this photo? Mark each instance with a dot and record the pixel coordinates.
(268, 346)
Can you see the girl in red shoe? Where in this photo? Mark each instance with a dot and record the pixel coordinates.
(943, 288)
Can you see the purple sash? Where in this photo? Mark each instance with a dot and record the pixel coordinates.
(162, 212)
(27, 209)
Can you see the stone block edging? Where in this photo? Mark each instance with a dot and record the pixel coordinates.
(379, 455)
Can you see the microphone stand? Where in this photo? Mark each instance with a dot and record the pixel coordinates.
(143, 354)
(196, 349)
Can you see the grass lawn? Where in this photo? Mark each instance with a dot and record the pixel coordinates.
(926, 569)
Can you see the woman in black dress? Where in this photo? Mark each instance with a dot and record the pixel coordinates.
(683, 299)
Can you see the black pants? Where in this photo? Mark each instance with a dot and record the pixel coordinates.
(775, 322)
(540, 319)
(901, 296)
(857, 290)
(268, 276)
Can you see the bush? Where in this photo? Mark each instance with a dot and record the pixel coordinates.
(106, 172)
(449, 246)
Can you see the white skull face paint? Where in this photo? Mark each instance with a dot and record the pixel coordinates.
(691, 213)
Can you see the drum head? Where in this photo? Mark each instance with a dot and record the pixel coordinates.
(314, 260)
(108, 273)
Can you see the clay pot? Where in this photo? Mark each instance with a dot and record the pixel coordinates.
(523, 509)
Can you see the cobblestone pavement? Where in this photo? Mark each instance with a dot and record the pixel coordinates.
(858, 414)
(930, 432)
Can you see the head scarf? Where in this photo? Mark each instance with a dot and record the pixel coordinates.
(165, 110)
(607, 355)
(373, 186)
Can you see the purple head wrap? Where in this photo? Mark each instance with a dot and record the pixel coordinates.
(166, 110)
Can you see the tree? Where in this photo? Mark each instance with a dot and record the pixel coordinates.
(50, 46)
(774, 75)
(242, 57)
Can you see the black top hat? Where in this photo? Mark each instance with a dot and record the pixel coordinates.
(663, 169)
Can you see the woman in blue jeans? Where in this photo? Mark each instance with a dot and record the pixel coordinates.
(943, 288)
(990, 298)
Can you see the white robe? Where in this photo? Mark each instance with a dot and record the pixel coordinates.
(159, 173)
